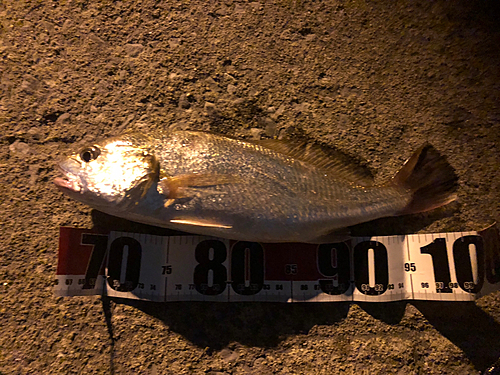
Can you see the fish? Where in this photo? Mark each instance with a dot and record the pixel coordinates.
(260, 191)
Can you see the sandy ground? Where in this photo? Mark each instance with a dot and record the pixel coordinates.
(374, 79)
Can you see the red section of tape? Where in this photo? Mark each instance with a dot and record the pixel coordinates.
(291, 261)
(73, 256)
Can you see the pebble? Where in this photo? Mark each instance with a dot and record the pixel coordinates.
(270, 126)
(35, 132)
(310, 37)
(133, 50)
(256, 132)
(211, 83)
(302, 107)
(174, 42)
(231, 89)
(278, 112)
(230, 77)
(127, 121)
(228, 355)
(66, 26)
(20, 148)
(64, 118)
(184, 102)
(209, 108)
(29, 85)
(33, 173)
(239, 9)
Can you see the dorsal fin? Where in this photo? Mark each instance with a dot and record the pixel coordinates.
(339, 164)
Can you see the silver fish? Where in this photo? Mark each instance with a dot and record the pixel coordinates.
(266, 191)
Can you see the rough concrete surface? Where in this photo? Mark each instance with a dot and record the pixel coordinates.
(374, 79)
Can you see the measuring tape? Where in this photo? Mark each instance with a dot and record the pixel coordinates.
(439, 266)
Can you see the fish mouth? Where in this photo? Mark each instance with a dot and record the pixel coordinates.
(66, 184)
(70, 182)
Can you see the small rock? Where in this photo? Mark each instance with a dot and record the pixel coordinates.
(256, 6)
(222, 11)
(209, 108)
(287, 35)
(256, 132)
(141, 126)
(184, 102)
(228, 355)
(127, 121)
(29, 85)
(64, 118)
(35, 133)
(174, 42)
(237, 102)
(133, 50)
(122, 74)
(211, 83)
(33, 173)
(278, 112)
(66, 26)
(310, 37)
(231, 89)
(20, 148)
(229, 77)
(282, 134)
(99, 118)
(270, 125)
(239, 9)
(302, 107)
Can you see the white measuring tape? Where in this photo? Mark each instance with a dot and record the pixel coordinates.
(439, 266)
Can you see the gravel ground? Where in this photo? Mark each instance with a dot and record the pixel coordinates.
(373, 79)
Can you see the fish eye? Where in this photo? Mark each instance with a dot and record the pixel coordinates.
(90, 153)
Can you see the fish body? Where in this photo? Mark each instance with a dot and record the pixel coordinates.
(213, 185)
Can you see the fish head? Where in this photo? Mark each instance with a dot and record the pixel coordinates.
(111, 174)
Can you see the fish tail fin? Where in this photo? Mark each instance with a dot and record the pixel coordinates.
(430, 179)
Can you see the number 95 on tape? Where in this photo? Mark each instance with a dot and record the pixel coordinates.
(439, 266)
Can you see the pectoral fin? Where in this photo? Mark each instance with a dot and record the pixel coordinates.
(178, 186)
(201, 223)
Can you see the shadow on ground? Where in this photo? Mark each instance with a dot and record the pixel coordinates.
(214, 326)
(467, 326)
(263, 324)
